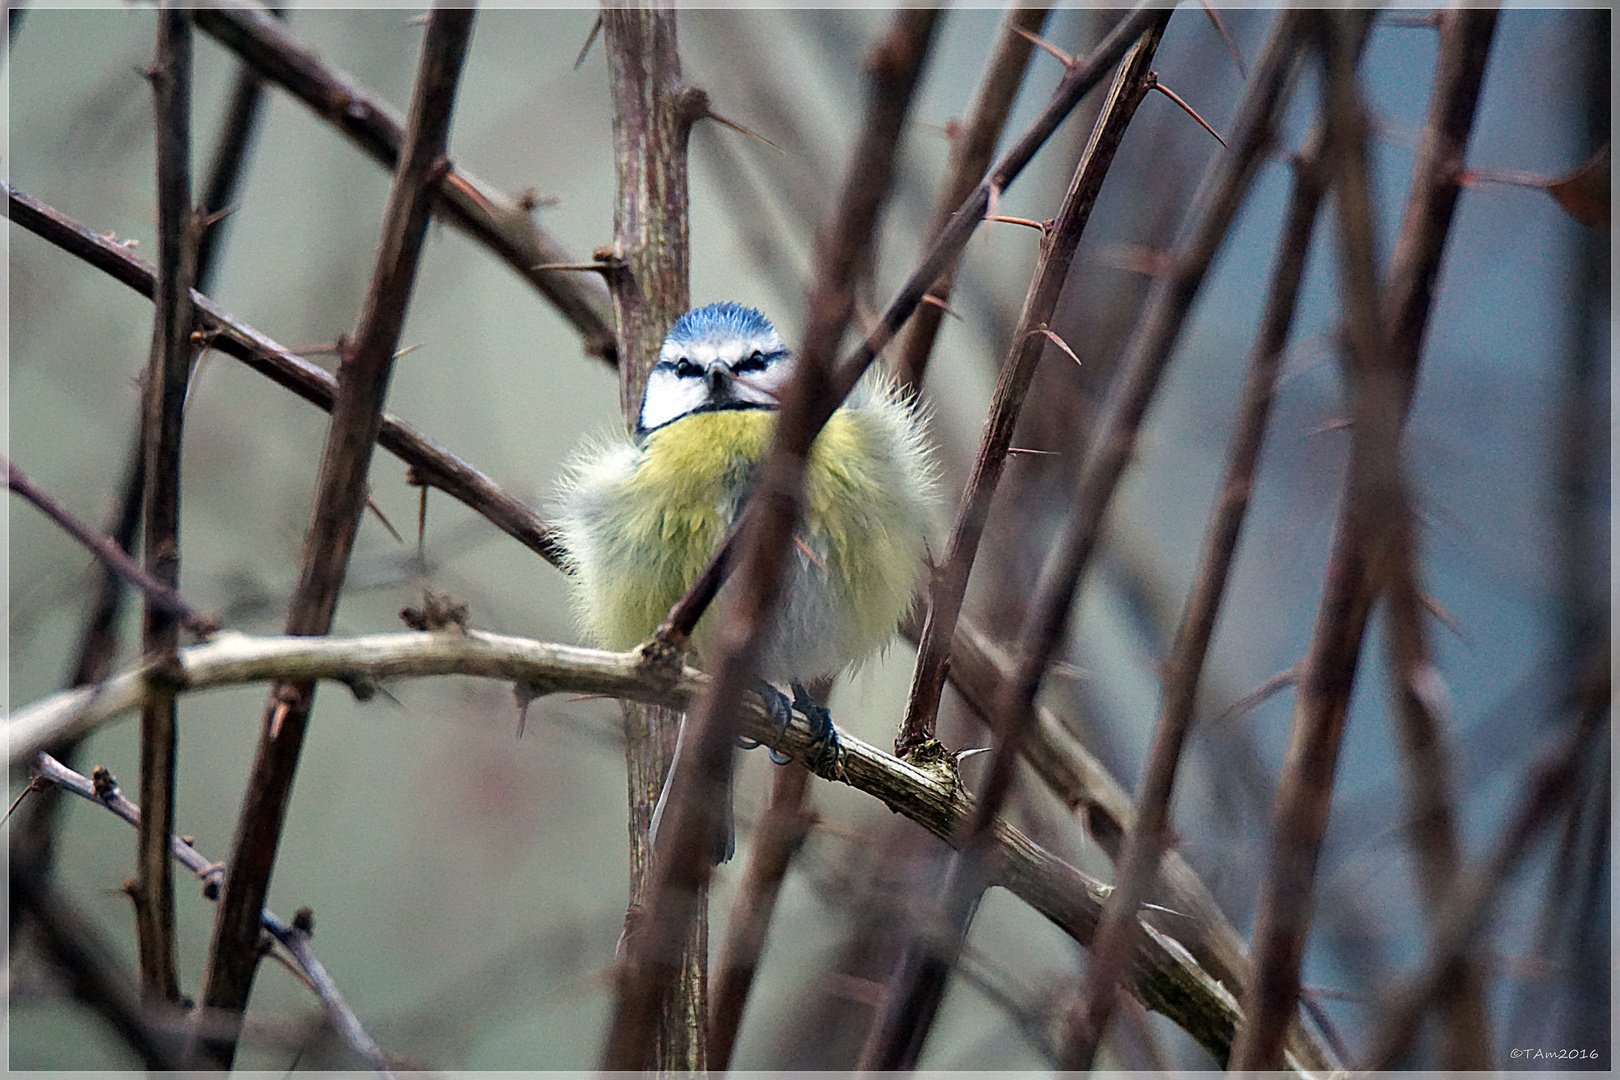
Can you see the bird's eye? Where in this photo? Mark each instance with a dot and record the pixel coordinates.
(685, 369)
(754, 361)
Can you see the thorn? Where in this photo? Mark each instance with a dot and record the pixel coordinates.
(963, 755)
(1016, 450)
(1231, 46)
(1342, 423)
(1167, 911)
(1432, 20)
(210, 220)
(590, 39)
(371, 504)
(407, 350)
(1059, 342)
(1137, 259)
(1042, 43)
(930, 298)
(37, 783)
(811, 555)
(1259, 694)
(421, 525)
(734, 126)
(529, 199)
(1030, 222)
(1444, 617)
(603, 268)
(525, 693)
(1186, 108)
(416, 20)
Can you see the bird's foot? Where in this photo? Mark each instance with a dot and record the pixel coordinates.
(781, 710)
(824, 737)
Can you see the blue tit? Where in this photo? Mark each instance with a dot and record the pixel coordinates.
(639, 519)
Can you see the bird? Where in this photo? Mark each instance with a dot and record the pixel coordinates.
(639, 518)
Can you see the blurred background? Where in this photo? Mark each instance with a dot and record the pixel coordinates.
(469, 885)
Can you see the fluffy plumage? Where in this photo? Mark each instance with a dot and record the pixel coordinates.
(640, 519)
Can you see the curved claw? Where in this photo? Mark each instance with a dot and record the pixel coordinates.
(823, 733)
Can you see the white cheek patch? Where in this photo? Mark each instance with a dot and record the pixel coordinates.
(670, 397)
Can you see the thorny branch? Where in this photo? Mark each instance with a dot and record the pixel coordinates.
(1381, 375)
(1138, 864)
(494, 219)
(163, 401)
(106, 794)
(108, 551)
(1059, 241)
(972, 146)
(431, 463)
(913, 999)
(1165, 976)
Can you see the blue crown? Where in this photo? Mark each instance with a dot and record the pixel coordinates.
(719, 320)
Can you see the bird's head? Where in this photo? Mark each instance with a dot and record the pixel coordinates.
(723, 356)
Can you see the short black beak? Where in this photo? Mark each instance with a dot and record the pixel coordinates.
(719, 381)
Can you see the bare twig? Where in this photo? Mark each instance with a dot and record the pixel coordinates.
(1357, 570)
(431, 464)
(339, 502)
(1371, 544)
(1138, 865)
(683, 866)
(1058, 245)
(75, 944)
(107, 794)
(494, 219)
(971, 148)
(162, 412)
(1465, 39)
(1552, 785)
(777, 838)
(107, 550)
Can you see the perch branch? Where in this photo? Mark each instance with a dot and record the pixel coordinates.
(1165, 975)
